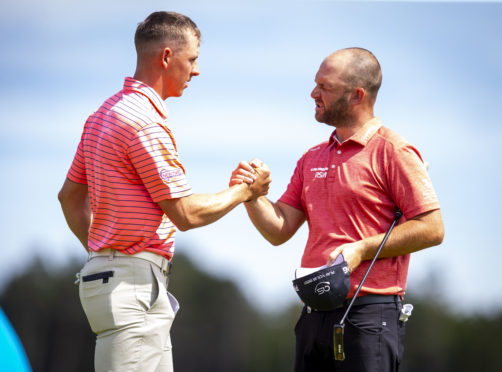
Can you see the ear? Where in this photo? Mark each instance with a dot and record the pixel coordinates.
(358, 96)
(167, 54)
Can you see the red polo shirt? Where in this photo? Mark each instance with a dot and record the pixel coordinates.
(128, 158)
(350, 191)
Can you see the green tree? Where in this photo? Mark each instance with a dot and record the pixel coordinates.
(439, 341)
(43, 306)
(218, 330)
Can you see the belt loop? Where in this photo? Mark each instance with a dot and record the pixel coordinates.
(166, 266)
(112, 255)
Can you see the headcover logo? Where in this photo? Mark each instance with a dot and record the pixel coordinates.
(322, 287)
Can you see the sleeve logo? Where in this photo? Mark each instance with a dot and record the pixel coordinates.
(166, 175)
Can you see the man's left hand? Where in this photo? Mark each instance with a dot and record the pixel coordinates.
(352, 254)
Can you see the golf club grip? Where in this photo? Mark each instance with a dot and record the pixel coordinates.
(338, 341)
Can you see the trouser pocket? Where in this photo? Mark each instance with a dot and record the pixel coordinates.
(104, 276)
(117, 293)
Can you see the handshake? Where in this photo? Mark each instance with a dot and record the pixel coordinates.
(255, 175)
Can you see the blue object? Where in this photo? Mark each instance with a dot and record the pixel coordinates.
(12, 356)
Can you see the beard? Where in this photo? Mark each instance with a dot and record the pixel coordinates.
(337, 114)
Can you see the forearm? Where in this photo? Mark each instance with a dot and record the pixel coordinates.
(204, 209)
(79, 224)
(275, 222)
(74, 199)
(415, 234)
(77, 213)
(199, 210)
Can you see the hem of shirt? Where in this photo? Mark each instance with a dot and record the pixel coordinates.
(79, 180)
(422, 210)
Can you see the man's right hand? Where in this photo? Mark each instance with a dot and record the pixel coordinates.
(244, 173)
(256, 174)
(262, 181)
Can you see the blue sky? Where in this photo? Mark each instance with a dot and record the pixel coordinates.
(441, 90)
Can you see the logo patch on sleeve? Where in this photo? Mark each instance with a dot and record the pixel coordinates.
(167, 174)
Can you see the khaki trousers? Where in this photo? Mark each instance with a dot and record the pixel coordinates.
(130, 312)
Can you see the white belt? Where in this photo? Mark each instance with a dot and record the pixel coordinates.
(162, 262)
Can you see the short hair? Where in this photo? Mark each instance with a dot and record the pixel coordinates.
(164, 26)
(364, 71)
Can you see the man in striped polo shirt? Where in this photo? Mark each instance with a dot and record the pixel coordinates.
(348, 189)
(125, 194)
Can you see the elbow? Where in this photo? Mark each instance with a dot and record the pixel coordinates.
(433, 228)
(276, 240)
(277, 237)
(436, 236)
(439, 236)
(183, 226)
(62, 196)
(185, 223)
(179, 212)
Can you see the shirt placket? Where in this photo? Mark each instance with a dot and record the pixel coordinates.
(334, 161)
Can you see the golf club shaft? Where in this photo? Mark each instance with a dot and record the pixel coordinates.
(396, 218)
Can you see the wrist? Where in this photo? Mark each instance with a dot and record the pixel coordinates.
(251, 201)
(364, 250)
(243, 191)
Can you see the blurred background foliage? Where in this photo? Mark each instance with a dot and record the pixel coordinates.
(218, 329)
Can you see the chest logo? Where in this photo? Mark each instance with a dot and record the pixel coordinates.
(320, 172)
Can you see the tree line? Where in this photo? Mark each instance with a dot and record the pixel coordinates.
(218, 330)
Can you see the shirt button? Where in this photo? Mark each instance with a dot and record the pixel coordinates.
(339, 152)
(332, 165)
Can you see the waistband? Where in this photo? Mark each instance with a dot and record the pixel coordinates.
(163, 263)
(368, 299)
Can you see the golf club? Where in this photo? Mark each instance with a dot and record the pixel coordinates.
(338, 329)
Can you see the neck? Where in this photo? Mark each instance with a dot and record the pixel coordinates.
(150, 78)
(347, 130)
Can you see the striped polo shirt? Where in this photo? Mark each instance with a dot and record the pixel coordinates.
(349, 191)
(128, 158)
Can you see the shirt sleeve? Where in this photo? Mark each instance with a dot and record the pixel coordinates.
(153, 153)
(77, 172)
(410, 184)
(293, 194)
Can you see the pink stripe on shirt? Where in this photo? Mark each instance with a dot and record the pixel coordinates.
(128, 157)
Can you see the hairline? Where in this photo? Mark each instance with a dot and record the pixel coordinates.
(172, 30)
(175, 44)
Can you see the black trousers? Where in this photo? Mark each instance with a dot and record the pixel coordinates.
(373, 340)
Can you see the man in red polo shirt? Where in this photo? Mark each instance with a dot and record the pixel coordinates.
(348, 189)
(126, 193)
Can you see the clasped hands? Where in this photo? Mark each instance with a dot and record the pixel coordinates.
(255, 174)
